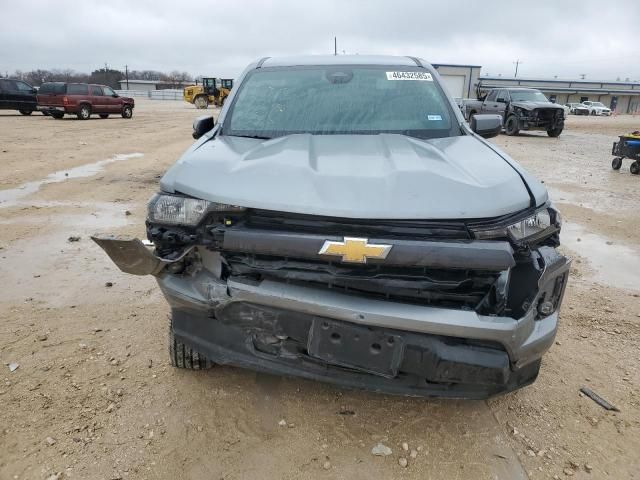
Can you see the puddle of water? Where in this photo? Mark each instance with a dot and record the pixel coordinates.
(10, 196)
(50, 270)
(613, 264)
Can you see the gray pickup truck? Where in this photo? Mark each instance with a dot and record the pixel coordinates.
(341, 221)
(521, 109)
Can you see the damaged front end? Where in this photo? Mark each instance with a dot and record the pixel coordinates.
(456, 309)
(548, 119)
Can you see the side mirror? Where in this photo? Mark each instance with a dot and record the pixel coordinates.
(115, 95)
(202, 125)
(486, 126)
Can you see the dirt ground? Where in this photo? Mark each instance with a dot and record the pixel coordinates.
(94, 397)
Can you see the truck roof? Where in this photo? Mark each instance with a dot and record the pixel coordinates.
(339, 60)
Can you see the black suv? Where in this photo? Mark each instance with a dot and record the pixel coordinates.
(17, 95)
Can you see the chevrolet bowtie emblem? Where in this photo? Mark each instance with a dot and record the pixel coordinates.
(355, 250)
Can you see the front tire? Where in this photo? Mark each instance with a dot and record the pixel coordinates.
(511, 125)
(26, 112)
(182, 356)
(85, 112)
(201, 102)
(635, 168)
(127, 111)
(616, 163)
(593, 113)
(554, 132)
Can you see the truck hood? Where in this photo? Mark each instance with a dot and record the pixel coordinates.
(384, 176)
(533, 105)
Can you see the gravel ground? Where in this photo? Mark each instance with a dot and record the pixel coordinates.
(93, 395)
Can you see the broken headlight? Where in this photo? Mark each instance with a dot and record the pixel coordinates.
(179, 210)
(530, 229)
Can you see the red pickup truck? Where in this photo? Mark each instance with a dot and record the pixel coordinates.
(82, 99)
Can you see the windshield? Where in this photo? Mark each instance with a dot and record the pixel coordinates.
(527, 96)
(597, 104)
(337, 100)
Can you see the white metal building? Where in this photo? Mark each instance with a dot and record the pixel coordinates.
(622, 97)
(460, 80)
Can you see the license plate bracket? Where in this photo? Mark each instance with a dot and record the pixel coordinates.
(361, 347)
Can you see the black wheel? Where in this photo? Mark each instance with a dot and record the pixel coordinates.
(57, 115)
(127, 111)
(593, 113)
(511, 125)
(85, 112)
(26, 112)
(201, 101)
(182, 356)
(616, 163)
(104, 115)
(554, 132)
(635, 168)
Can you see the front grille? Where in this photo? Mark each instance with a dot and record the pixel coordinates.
(479, 290)
(409, 229)
(461, 289)
(547, 114)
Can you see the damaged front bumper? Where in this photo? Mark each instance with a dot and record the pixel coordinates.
(540, 120)
(349, 339)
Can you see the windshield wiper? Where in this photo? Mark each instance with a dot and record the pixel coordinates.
(258, 137)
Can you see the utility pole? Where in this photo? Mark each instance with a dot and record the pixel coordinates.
(335, 46)
(126, 75)
(105, 73)
(517, 63)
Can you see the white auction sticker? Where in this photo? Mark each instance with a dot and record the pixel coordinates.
(434, 117)
(422, 76)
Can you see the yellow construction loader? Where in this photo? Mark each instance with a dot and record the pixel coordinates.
(211, 91)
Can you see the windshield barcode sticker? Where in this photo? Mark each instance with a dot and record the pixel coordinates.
(422, 76)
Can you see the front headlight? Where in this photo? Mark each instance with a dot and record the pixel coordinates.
(179, 210)
(530, 227)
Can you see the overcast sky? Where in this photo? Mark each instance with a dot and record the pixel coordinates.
(563, 37)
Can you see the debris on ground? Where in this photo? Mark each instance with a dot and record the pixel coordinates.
(326, 465)
(73, 238)
(108, 284)
(405, 446)
(13, 366)
(381, 450)
(403, 462)
(282, 423)
(599, 400)
(50, 441)
(42, 337)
